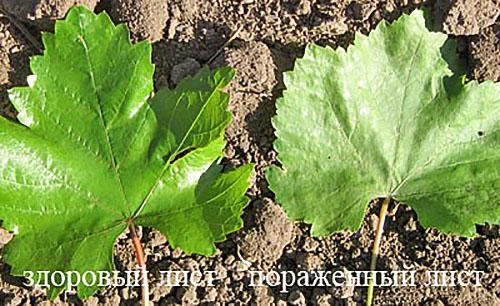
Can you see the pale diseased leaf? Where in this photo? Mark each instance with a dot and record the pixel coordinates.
(387, 118)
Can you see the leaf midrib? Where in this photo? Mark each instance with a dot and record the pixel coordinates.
(172, 156)
(401, 112)
(101, 115)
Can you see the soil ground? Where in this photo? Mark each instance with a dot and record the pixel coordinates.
(270, 35)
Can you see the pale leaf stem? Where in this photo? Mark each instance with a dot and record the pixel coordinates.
(376, 247)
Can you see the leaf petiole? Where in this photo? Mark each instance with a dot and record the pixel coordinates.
(376, 246)
(141, 262)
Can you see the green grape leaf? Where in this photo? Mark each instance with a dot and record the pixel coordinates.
(94, 153)
(387, 118)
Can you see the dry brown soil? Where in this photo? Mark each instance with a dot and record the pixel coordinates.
(188, 34)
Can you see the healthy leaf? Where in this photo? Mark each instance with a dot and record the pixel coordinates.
(387, 118)
(94, 153)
